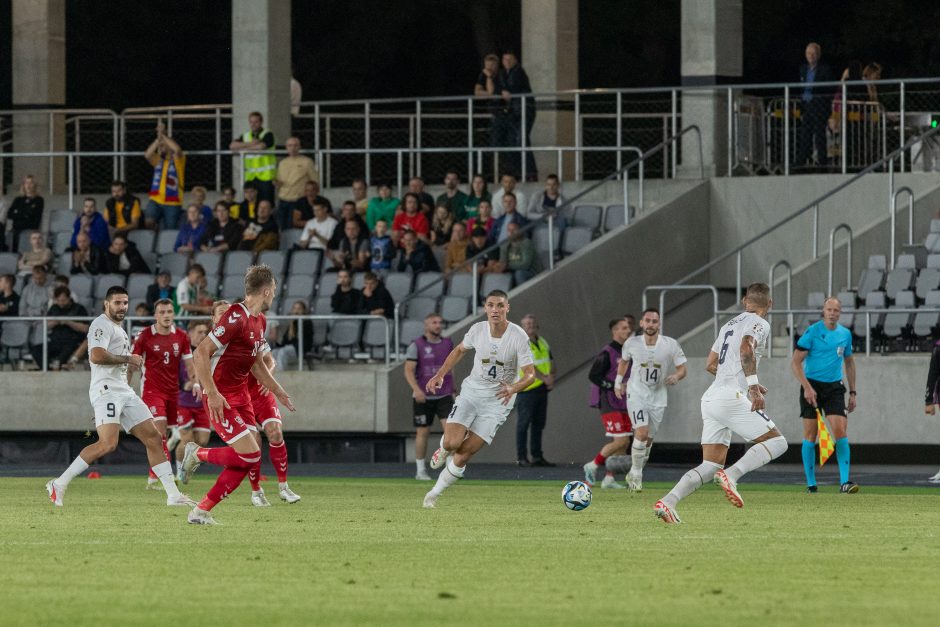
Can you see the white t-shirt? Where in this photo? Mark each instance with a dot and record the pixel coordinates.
(104, 333)
(323, 229)
(730, 380)
(651, 366)
(185, 292)
(497, 360)
(497, 202)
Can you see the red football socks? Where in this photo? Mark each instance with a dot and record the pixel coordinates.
(278, 454)
(600, 459)
(228, 481)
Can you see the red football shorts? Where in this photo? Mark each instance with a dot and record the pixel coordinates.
(160, 406)
(265, 410)
(234, 422)
(194, 418)
(616, 424)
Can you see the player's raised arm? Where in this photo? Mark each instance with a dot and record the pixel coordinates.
(749, 366)
(437, 380)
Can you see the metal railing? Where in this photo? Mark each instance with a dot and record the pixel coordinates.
(39, 329)
(848, 260)
(663, 289)
(548, 221)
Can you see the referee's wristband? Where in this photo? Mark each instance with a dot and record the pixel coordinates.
(751, 380)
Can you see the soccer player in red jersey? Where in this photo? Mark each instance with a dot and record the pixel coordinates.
(192, 419)
(163, 348)
(235, 350)
(267, 418)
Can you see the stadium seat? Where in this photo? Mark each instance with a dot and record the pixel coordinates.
(410, 330)
(926, 322)
(103, 282)
(177, 264)
(814, 300)
(24, 241)
(461, 284)
(323, 306)
(878, 261)
(933, 261)
(588, 216)
(429, 284)
(932, 243)
(81, 285)
(299, 286)
(896, 324)
(935, 225)
(212, 286)
(454, 308)
(419, 307)
(358, 280)
(613, 216)
(871, 281)
(928, 280)
(237, 262)
(232, 287)
(875, 300)
(63, 265)
(373, 338)
(575, 238)
(276, 259)
(327, 284)
(495, 281)
(211, 262)
(398, 285)
(143, 238)
(60, 242)
(540, 237)
(137, 285)
(305, 262)
(165, 241)
(14, 339)
(344, 337)
(906, 261)
(288, 238)
(62, 221)
(8, 263)
(899, 280)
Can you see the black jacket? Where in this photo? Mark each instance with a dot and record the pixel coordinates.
(137, 263)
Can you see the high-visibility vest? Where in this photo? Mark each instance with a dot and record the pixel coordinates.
(543, 361)
(263, 166)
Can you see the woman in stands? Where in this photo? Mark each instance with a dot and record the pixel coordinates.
(26, 210)
(478, 193)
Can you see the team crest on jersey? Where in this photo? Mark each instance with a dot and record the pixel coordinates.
(99, 333)
(176, 349)
(219, 331)
(156, 348)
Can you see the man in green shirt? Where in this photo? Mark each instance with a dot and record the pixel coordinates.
(382, 207)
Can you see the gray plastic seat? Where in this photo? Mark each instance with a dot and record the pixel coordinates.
(14, 338)
(495, 281)
(276, 259)
(426, 279)
(137, 285)
(896, 324)
(81, 285)
(454, 308)
(461, 284)
(928, 280)
(814, 300)
(871, 280)
(588, 216)
(540, 237)
(60, 242)
(211, 262)
(177, 264)
(212, 286)
(299, 286)
(398, 285)
(906, 261)
(613, 216)
(323, 305)
(8, 262)
(419, 307)
(933, 261)
(410, 330)
(878, 261)
(575, 238)
(237, 262)
(288, 238)
(143, 238)
(106, 281)
(62, 221)
(875, 300)
(232, 287)
(165, 241)
(374, 335)
(305, 261)
(327, 284)
(344, 336)
(899, 280)
(926, 321)
(358, 280)
(847, 319)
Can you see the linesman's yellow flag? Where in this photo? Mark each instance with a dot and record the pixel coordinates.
(826, 446)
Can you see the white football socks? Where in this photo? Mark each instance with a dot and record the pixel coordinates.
(448, 477)
(756, 456)
(691, 481)
(419, 465)
(76, 468)
(638, 450)
(164, 472)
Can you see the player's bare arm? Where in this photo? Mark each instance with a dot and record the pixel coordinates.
(680, 374)
(264, 377)
(410, 369)
(101, 357)
(271, 365)
(438, 379)
(507, 391)
(619, 386)
(850, 378)
(711, 364)
(796, 366)
(202, 357)
(755, 391)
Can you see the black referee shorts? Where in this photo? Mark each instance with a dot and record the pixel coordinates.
(830, 397)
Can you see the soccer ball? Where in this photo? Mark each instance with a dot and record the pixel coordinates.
(576, 495)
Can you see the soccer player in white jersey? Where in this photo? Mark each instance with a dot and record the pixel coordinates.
(486, 396)
(652, 356)
(733, 403)
(115, 403)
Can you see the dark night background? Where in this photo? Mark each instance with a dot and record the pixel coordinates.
(123, 54)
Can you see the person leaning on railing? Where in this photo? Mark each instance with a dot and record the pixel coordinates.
(260, 163)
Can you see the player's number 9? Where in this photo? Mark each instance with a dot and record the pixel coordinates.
(112, 410)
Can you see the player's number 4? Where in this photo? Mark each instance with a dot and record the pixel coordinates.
(491, 373)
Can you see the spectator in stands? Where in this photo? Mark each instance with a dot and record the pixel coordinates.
(92, 223)
(489, 262)
(872, 72)
(65, 336)
(160, 289)
(260, 163)
(425, 200)
(346, 300)
(360, 196)
(87, 258)
(411, 219)
(353, 251)
(478, 193)
(382, 207)
(510, 216)
(456, 249)
(512, 81)
(228, 196)
(454, 199)
(376, 299)
(192, 231)
(415, 255)
(62, 280)
(166, 187)
(191, 296)
(442, 225)
(518, 255)
(223, 233)
(303, 209)
(199, 199)
(348, 212)
(34, 301)
(122, 210)
(286, 347)
(815, 106)
(37, 255)
(485, 86)
(247, 209)
(484, 218)
(507, 184)
(293, 173)
(26, 210)
(319, 229)
(383, 251)
(262, 232)
(122, 257)
(144, 311)
(9, 299)
(547, 201)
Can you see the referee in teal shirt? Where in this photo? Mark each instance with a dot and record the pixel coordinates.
(817, 365)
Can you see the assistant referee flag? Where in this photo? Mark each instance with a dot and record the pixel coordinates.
(826, 446)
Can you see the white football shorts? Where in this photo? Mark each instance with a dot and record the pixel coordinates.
(480, 414)
(123, 408)
(722, 416)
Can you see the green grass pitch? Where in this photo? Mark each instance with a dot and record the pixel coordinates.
(493, 553)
